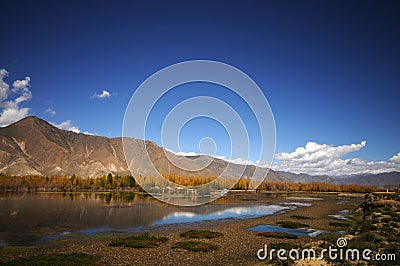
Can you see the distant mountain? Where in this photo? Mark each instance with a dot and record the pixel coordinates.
(32, 146)
(379, 180)
(306, 178)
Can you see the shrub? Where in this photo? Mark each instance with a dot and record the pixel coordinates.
(301, 217)
(139, 241)
(55, 259)
(201, 234)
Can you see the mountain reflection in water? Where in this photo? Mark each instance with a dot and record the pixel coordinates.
(26, 218)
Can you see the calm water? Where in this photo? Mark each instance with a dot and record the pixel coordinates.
(342, 215)
(294, 231)
(28, 218)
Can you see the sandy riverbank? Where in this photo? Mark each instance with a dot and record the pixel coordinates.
(237, 246)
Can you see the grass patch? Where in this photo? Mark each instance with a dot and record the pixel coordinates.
(328, 239)
(300, 217)
(15, 249)
(278, 235)
(375, 227)
(290, 224)
(139, 241)
(369, 237)
(201, 234)
(389, 211)
(56, 259)
(339, 224)
(367, 225)
(195, 246)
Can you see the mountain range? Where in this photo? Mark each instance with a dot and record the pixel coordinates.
(379, 180)
(33, 146)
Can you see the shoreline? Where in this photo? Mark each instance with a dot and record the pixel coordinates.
(237, 245)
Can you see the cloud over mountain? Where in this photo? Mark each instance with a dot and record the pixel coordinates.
(67, 125)
(396, 158)
(11, 100)
(321, 159)
(50, 111)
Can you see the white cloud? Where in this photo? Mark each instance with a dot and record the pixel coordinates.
(11, 111)
(241, 161)
(320, 159)
(11, 115)
(314, 152)
(323, 159)
(50, 111)
(104, 94)
(395, 158)
(4, 87)
(235, 161)
(181, 153)
(67, 125)
(21, 84)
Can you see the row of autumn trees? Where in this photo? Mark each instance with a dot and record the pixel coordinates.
(314, 186)
(269, 185)
(63, 183)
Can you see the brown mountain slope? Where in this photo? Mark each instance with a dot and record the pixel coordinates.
(32, 146)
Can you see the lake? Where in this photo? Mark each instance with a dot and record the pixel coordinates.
(31, 218)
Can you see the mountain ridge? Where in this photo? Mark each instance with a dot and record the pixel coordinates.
(379, 180)
(32, 146)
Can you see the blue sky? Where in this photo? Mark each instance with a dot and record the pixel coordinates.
(329, 69)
